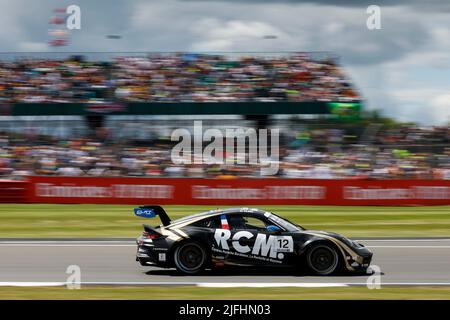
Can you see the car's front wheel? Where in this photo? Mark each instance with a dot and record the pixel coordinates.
(190, 257)
(322, 259)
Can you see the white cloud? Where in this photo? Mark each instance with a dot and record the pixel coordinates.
(399, 69)
(441, 109)
(235, 35)
(30, 46)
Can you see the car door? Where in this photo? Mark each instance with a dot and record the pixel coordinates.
(215, 232)
(253, 243)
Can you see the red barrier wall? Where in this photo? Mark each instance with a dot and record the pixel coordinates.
(13, 191)
(238, 192)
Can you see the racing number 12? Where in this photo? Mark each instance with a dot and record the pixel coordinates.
(283, 243)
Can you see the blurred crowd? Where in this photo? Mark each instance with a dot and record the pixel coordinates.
(175, 78)
(213, 78)
(52, 81)
(402, 153)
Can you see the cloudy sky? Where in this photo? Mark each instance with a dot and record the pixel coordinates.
(402, 69)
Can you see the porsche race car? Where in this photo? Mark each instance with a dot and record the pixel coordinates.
(244, 237)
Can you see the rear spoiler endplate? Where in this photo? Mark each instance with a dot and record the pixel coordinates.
(150, 211)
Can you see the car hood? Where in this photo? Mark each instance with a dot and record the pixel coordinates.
(329, 234)
(325, 233)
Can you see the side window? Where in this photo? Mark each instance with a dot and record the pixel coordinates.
(246, 222)
(255, 223)
(211, 223)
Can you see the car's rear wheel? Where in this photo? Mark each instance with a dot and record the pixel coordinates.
(322, 259)
(190, 257)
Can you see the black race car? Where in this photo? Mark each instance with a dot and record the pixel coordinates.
(244, 237)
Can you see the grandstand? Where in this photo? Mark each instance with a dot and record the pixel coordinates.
(175, 78)
(133, 102)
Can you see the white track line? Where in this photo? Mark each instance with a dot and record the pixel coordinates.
(198, 284)
(221, 284)
(269, 285)
(117, 283)
(313, 284)
(32, 284)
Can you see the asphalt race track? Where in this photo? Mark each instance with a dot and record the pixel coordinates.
(31, 262)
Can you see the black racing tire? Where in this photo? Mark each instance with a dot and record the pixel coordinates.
(190, 257)
(322, 259)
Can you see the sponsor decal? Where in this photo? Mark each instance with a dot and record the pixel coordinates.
(141, 191)
(162, 257)
(284, 244)
(266, 246)
(144, 213)
(414, 192)
(268, 192)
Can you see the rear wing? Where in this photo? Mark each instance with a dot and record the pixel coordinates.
(150, 211)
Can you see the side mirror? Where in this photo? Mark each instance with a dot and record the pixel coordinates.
(274, 229)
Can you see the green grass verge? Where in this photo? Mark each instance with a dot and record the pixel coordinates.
(164, 293)
(50, 220)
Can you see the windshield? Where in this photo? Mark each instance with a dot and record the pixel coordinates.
(286, 224)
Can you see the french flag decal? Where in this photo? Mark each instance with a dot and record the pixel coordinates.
(224, 222)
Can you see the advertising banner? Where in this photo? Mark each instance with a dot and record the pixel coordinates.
(238, 191)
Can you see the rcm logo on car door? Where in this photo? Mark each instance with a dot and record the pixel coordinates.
(247, 236)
